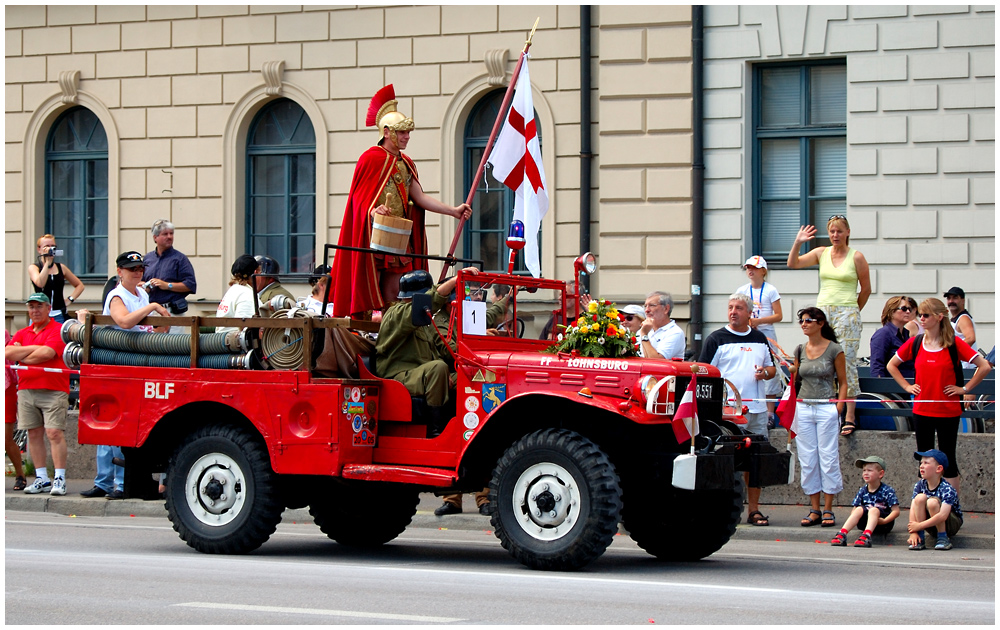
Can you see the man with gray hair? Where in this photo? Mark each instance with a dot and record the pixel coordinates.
(169, 276)
(743, 357)
(659, 336)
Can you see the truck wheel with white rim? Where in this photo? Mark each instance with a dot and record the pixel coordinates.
(555, 500)
(221, 493)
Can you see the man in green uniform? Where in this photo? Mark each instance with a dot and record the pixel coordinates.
(268, 287)
(407, 353)
(494, 316)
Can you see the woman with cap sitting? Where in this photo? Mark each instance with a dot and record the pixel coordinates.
(126, 303)
(238, 300)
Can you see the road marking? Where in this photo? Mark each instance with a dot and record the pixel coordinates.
(322, 612)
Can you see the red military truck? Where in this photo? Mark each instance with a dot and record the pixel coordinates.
(569, 446)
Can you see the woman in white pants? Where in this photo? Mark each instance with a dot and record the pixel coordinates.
(817, 431)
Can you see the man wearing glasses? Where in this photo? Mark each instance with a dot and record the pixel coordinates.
(659, 336)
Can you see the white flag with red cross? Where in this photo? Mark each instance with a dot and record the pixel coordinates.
(517, 162)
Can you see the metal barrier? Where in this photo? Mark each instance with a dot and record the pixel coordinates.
(890, 409)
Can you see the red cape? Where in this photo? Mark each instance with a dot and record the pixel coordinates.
(355, 279)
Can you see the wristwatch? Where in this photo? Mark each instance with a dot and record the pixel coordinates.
(71, 299)
(644, 338)
(170, 286)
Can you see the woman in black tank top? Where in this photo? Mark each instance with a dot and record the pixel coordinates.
(50, 278)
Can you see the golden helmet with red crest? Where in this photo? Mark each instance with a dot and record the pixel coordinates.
(383, 115)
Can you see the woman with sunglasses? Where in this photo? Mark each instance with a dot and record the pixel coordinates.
(935, 381)
(820, 368)
(895, 315)
(913, 325)
(844, 288)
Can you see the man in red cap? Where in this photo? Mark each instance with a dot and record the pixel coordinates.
(385, 182)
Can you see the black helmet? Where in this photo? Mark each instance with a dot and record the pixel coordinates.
(267, 265)
(414, 282)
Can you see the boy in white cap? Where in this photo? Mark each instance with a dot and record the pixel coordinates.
(766, 312)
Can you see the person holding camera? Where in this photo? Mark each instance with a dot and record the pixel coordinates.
(169, 276)
(50, 277)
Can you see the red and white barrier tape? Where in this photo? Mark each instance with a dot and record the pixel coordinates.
(32, 368)
(854, 400)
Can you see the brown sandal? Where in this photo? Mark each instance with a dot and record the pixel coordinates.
(809, 522)
(19, 484)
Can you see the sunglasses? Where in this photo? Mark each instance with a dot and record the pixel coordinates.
(905, 309)
(629, 318)
(925, 315)
(837, 216)
(806, 320)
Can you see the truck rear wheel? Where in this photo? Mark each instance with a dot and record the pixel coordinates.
(221, 492)
(388, 509)
(555, 500)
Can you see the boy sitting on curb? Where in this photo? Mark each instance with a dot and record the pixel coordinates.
(875, 505)
(935, 503)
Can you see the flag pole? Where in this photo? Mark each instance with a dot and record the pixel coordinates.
(694, 399)
(489, 145)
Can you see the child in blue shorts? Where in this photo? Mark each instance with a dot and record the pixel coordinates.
(875, 505)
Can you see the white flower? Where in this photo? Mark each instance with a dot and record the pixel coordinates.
(600, 340)
(559, 337)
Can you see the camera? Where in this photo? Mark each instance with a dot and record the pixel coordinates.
(52, 251)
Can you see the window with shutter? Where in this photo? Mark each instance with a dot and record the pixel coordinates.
(799, 151)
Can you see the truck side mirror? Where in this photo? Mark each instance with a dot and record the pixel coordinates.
(420, 314)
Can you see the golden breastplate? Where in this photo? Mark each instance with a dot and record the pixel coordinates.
(390, 196)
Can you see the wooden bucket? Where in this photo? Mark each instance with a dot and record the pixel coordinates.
(390, 234)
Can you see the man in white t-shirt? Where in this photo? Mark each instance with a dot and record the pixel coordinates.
(961, 320)
(660, 337)
(742, 355)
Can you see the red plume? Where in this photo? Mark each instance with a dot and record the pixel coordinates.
(381, 97)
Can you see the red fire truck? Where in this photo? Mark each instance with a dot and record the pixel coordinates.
(569, 446)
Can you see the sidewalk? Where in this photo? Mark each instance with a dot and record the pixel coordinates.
(978, 530)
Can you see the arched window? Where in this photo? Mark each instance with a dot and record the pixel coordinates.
(493, 205)
(76, 190)
(281, 187)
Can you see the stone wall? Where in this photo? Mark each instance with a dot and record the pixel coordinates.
(976, 462)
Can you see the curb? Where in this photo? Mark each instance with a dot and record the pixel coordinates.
(425, 519)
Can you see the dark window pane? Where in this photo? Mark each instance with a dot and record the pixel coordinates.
(97, 217)
(781, 224)
(304, 134)
(303, 173)
(486, 213)
(302, 215)
(273, 246)
(64, 179)
(97, 256)
(828, 95)
(64, 137)
(269, 215)
(67, 219)
(267, 132)
(780, 97)
(303, 254)
(97, 178)
(828, 161)
(268, 174)
(780, 169)
(74, 253)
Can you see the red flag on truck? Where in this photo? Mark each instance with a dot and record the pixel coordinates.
(685, 422)
(786, 409)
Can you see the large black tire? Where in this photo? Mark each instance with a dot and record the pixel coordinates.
(681, 525)
(387, 508)
(555, 500)
(221, 491)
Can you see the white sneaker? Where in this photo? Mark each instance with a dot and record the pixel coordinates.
(37, 486)
(58, 487)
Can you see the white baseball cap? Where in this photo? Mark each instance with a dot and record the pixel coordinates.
(755, 261)
(634, 309)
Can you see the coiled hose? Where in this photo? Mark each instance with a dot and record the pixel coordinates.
(73, 355)
(151, 343)
(282, 347)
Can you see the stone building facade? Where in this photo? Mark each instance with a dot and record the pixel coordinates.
(178, 90)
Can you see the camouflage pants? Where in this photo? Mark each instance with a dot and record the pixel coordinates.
(846, 322)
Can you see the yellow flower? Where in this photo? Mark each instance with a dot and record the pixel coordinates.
(584, 330)
(613, 313)
(581, 321)
(592, 307)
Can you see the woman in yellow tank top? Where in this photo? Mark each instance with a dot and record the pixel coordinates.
(841, 270)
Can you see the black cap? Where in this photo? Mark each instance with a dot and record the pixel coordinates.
(956, 291)
(245, 265)
(130, 260)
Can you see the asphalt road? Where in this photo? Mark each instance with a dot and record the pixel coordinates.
(119, 570)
